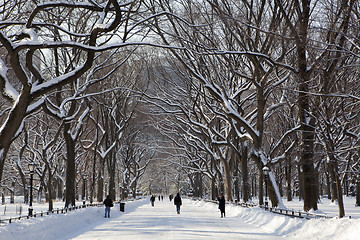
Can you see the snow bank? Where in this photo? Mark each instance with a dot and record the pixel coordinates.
(293, 228)
(336, 229)
(57, 226)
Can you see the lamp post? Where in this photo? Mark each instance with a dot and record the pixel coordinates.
(84, 188)
(266, 174)
(31, 170)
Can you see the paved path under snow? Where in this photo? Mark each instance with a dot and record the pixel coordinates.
(162, 222)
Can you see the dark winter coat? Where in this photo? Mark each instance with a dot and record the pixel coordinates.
(152, 199)
(108, 202)
(177, 200)
(222, 204)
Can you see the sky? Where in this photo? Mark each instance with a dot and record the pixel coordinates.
(198, 220)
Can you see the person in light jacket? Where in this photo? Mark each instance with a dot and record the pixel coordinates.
(177, 203)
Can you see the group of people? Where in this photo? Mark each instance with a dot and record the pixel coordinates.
(152, 199)
(177, 202)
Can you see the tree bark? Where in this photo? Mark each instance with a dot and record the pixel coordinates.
(100, 188)
(227, 178)
(245, 173)
(70, 168)
(288, 179)
(261, 187)
(357, 193)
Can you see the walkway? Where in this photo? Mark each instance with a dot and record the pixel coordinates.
(162, 222)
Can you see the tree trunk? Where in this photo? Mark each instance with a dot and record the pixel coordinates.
(112, 191)
(333, 184)
(24, 183)
(100, 189)
(272, 193)
(93, 180)
(50, 194)
(70, 168)
(237, 186)
(60, 189)
(340, 198)
(12, 195)
(261, 187)
(245, 173)
(335, 179)
(214, 190)
(253, 186)
(227, 180)
(357, 193)
(288, 179)
(300, 185)
(12, 124)
(307, 145)
(328, 185)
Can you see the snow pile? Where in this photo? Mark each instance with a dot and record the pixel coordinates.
(57, 226)
(293, 228)
(336, 229)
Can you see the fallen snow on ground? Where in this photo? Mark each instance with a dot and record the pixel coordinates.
(198, 220)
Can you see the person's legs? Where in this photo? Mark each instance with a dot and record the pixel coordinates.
(222, 213)
(178, 209)
(107, 212)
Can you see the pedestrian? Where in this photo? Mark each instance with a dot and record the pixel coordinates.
(108, 204)
(221, 200)
(170, 197)
(159, 197)
(162, 198)
(177, 202)
(152, 200)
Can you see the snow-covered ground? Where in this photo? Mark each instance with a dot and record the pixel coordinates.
(198, 220)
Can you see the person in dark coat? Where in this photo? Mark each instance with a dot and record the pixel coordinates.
(108, 204)
(152, 200)
(221, 200)
(177, 203)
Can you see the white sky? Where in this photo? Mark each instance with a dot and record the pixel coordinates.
(198, 220)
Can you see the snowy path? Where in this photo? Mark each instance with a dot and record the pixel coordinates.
(198, 220)
(162, 222)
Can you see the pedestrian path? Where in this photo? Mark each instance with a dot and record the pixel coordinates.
(162, 222)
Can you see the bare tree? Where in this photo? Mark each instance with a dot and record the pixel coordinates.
(24, 48)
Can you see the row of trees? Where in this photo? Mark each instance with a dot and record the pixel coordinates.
(266, 83)
(247, 84)
(56, 110)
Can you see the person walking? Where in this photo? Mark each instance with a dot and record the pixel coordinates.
(177, 202)
(221, 200)
(152, 200)
(108, 204)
